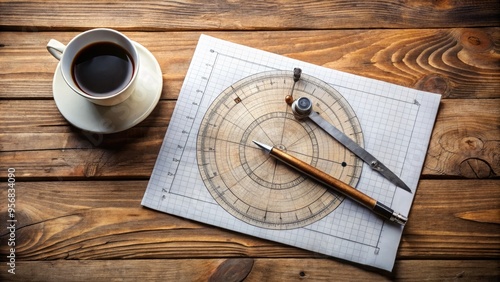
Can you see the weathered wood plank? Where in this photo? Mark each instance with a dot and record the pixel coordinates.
(99, 220)
(39, 143)
(97, 230)
(55, 142)
(465, 141)
(247, 269)
(458, 63)
(454, 212)
(244, 15)
(42, 117)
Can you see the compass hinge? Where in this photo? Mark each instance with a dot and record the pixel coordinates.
(375, 165)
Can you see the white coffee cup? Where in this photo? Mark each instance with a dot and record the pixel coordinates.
(96, 65)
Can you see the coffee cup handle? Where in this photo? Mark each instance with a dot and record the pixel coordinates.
(56, 48)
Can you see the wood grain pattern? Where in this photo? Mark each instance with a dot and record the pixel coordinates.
(95, 220)
(458, 63)
(78, 194)
(465, 140)
(245, 15)
(466, 135)
(262, 270)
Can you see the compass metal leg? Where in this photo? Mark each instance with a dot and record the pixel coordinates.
(302, 108)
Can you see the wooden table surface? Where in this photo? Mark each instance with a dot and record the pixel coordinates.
(77, 194)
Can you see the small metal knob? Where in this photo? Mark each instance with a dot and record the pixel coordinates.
(302, 107)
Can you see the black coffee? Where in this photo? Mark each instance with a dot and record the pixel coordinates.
(102, 68)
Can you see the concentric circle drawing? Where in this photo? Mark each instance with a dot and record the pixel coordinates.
(251, 185)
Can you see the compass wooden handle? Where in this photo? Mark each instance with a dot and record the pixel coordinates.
(324, 178)
(338, 185)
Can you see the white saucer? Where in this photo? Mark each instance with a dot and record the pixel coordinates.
(110, 119)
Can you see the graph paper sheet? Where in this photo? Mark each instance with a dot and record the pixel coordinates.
(396, 124)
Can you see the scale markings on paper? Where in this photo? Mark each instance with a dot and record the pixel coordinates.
(209, 170)
(255, 188)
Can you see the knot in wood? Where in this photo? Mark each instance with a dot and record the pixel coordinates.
(475, 168)
(471, 144)
(434, 83)
(236, 269)
(476, 40)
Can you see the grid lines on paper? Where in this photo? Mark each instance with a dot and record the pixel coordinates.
(225, 71)
(388, 119)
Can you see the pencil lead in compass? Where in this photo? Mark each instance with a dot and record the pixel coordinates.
(263, 146)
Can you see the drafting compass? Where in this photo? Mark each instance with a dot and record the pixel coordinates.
(255, 188)
(302, 108)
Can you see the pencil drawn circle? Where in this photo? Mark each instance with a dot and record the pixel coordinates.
(248, 183)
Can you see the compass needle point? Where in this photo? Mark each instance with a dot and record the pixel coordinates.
(296, 76)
